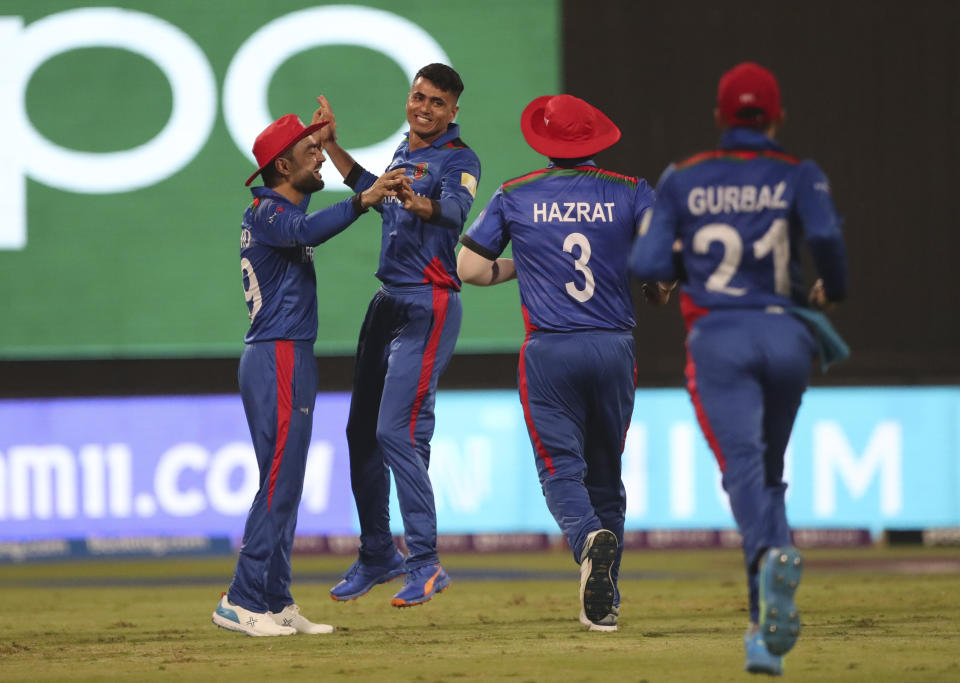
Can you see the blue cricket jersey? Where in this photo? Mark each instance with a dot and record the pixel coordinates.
(742, 213)
(571, 230)
(276, 261)
(417, 251)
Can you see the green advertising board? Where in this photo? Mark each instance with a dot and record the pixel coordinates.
(128, 132)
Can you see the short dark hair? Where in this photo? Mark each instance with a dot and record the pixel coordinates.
(756, 117)
(271, 176)
(442, 76)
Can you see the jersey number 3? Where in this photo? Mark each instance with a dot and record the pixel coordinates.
(580, 263)
(251, 288)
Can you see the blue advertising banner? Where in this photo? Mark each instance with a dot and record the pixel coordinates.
(71, 468)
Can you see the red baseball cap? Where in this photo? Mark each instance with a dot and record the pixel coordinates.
(748, 85)
(277, 138)
(566, 127)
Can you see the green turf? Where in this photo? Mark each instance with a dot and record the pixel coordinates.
(873, 614)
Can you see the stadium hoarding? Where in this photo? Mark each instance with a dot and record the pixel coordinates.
(129, 130)
(181, 466)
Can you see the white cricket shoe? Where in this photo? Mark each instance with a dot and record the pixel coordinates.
(608, 623)
(290, 616)
(236, 618)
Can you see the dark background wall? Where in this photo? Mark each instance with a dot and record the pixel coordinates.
(872, 92)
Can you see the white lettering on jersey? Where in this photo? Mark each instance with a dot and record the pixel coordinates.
(573, 212)
(736, 198)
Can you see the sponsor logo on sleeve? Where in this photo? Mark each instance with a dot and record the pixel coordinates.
(469, 182)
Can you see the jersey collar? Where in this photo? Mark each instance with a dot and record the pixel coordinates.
(588, 162)
(740, 137)
(453, 132)
(262, 192)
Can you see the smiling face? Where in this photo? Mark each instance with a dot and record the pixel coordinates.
(305, 160)
(429, 111)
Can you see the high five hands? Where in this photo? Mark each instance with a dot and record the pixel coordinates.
(390, 184)
(324, 113)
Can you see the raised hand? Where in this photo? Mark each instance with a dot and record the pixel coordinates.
(325, 113)
(390, 184)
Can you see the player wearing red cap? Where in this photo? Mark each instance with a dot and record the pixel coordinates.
(278, 371)
(740, 216)
(571, 225)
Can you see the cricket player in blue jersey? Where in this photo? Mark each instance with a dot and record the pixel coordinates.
(278, 372)
(740, 215)
(571, 225)
(407, 338)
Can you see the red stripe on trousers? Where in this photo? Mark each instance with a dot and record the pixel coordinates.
(284, 362)
(525, 399)
(441, 298)
(691, 372)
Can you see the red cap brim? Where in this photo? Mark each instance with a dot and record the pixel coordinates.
(535, 133)
(312, 128)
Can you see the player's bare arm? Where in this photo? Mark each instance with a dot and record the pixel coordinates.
(481, 271)
(328, 138)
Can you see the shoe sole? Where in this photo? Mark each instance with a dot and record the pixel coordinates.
(598, 591)
(354, 596)
(230, 625)
(597, 627)
(779, 619)
(400, 602)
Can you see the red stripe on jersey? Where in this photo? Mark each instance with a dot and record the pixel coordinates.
(283, 350)
(436, 274)
(525, 398)
(594, 169)
(735, 155)
(527, 177)
(441, 298)
(690, 311)
(691, 372)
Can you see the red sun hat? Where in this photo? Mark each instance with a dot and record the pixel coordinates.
(566, 127)
(748, 85)
(277, 138)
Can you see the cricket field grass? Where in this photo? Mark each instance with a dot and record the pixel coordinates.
(872, 614)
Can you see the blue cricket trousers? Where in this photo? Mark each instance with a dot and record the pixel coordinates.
(278, 386)
(577, 391)
(406, 341)
(746, 374)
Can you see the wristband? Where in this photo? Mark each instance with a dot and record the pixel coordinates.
(358, 204)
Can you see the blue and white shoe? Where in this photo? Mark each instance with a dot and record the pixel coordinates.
(422, 584)
(236, 618)
(360, 578)
(597, 591)
(780, 572)
(759, 660)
